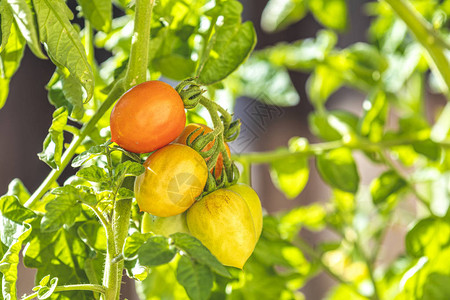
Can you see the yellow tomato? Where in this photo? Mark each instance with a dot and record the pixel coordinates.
(226, 225)
(174, 176)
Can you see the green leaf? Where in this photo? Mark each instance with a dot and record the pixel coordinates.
(375, 114)
(133, 243)
(6, 21)
(322, 83)
(436, 287)
(18, 189)
(63, 42)
(230, 45)
(194, 248)
(290, 174)
(93, 234)
(10, 260)
(321, 124)
(428, 237)
(260, 79)
(386, 187)
(10, 59)
(331, 13)
(62, 210)
(129, 168)
(54, 142)
(304, 54)
(59, 253)
(278, 14)
(13, 210)
(24, 17)
(98, 12)
(197, 279)
(45, 292)
(337, 168)
(156, 251)
(86, 155)
(12, 234)
(428, 148)
(93, 173)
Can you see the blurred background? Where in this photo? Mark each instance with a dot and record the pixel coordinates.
(26, 117)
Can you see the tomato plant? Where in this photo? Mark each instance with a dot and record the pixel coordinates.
(148, 116)
(376, 235)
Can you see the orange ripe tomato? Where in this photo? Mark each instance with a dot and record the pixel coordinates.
(147, 117)
(182, 138)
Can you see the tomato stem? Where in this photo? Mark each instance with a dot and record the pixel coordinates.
(138, 64)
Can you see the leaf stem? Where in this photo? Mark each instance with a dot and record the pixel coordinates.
(73, 287)
(115, 93)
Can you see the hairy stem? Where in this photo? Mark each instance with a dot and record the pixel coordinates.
(138, 64)
(73, 287)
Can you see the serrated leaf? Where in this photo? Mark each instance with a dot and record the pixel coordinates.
(386, 186)
(93, 173)
(194, 248)
(230, 45)
(156, 251)
(24, 17)
(63, 42)
(338, 169)
(197, 279)
(63, 210)
(98, 12)
(331, 13)
(10, 59)
(290, 175)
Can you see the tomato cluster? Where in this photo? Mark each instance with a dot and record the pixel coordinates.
(228, 221)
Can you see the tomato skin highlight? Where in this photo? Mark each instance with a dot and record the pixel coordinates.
(147, 117)
(174, 176)
(224, 223)
(182, 139)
